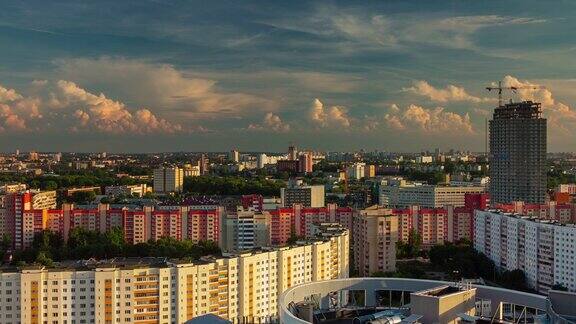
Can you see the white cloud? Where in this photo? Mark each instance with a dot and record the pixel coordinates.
(335, 116)
(561, 117)
(65, 105)
(7, 95)
(456, 32)
(428, 120)
(399, 30)
(271, 122)
(178, 93)
(448, 94)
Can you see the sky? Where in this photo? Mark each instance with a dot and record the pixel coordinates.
(163, 75)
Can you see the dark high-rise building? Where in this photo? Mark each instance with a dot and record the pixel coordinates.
(518, 153)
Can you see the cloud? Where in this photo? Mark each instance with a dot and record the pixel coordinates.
(456, 32)
(561, 117)
(271, 122)
(65, 105)
(7, 95)
(396, 31)
(428, 120)
(335, 116)
(448, 94)
(178, 93)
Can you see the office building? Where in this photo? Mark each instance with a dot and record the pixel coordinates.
(375, 232)
(545, 250)
(401, 193)
(307, 196)
(168, 179)
(518, 154)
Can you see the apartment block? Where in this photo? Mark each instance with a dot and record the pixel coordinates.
(168, 179)
(307, 196)
(246, 230)
(375, 237)
(243, 288)
(545, 250)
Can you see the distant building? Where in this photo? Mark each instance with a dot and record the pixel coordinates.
(402, 193)
(305, 162)
(168, 179)
(375, 237)
(356, 171)
(138, 190)
(254, 202)
(290, 166)
(307, 196)
(12, 187)
(292, 153)
(518, 153)
(234, 156)
(424, 159)
(369, 171)
(191, 170)
(33, 156)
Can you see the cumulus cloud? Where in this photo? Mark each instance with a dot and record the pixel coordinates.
(65, 105)
(7, 95)
(181, 94)
(561, 117)
(271, 122)
(428, 120)
(448, 94)
(335, 116)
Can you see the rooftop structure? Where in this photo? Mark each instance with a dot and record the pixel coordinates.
(400, 300)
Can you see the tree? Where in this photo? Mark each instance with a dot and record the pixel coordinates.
(411, 248)
(83, 196)
(559, 287)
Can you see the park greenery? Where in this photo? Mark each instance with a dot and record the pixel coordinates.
(49, 247)
(455, 260)
(232, 185)
(411, 249)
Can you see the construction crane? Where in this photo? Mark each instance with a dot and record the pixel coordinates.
(513, 89)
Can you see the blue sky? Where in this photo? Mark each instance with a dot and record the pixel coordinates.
(256, 75)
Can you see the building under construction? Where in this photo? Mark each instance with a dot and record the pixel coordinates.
(518, 153)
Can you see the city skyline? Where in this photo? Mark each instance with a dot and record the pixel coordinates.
(171, 76)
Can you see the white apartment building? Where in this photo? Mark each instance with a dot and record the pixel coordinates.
(544, 250)
(246, 230)
(402, 193)
(243, 288)
(168, 180)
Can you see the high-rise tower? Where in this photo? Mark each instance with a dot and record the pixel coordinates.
(518, 153)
